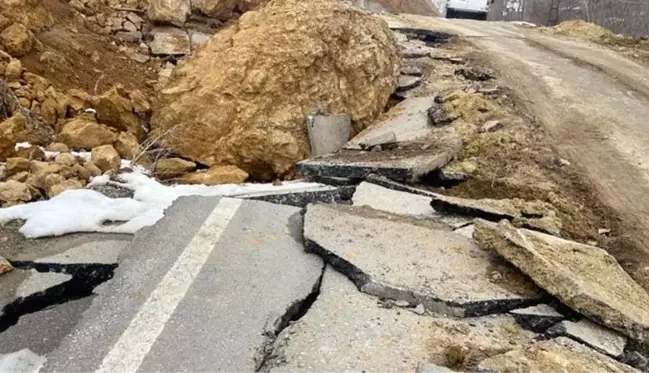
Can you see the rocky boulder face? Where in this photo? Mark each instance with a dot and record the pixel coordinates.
(84, 133)
(18, 128)
(243, 98)
(225, 9)
(17, 39)
(168, 11)
(30, 13)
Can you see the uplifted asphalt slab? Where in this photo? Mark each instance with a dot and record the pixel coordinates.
(408, 121)
(407, 163)
(348, 331)
(205, 289)
(416, 261)
(583, 277)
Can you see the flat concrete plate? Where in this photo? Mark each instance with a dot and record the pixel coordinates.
(347, 331)
(417, 261)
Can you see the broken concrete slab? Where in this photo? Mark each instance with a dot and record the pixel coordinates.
(602, 339)
(300, 197)
(475, 73)
(528, 214)
(556, 355)
(537, 318)
(20, 284)
(97, 252)
(408, 163)
(583, 277)
(254, 278)
(414, 51)
(439, 116)
(169, 41)
(408, 121)
(418, 261)
(42, 331)
(21, 361)
(402, 203)
(328, 133)
(429, 37)
(346, 330)
(406, 82)
(380, 198)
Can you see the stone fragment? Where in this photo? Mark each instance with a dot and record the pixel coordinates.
(139, 101)
(20, 129)
(174, 12)
(328, 133)
(66, 159)
(169, 168)
(106, 158)
(603, 340)
(250, 111)
(457, 171)
(474, 73)
(42, 169)
(14, 191)
(418, 261)
(127, 146)
(16, 165)
(585, 278)
(57, 147)
(92, 169)
(406, 82)
(17, 39)
(83, 133)
(215, 175)
(439, 116)
(20, 176)
(129, 36)
(169, 41)
(537, 318)
(34, 153)
(116, 111)
(346, 331)
(5, 266)
(491, 126)
(61, 187)
(556, 355)
(14, 69)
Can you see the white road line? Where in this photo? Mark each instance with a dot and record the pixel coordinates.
(136, 341)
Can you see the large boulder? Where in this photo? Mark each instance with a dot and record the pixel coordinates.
(17, 39)
(168, 11)
(106, 158)
(83, 133)
(12, 191)
(224, 9)
(116, 111)
(243, 98)
(30, 13)
(19, 128)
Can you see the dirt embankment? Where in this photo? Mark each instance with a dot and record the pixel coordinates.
(632, 47)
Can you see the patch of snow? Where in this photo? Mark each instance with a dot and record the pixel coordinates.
(84, 210)
(22, 145)
(23, 361)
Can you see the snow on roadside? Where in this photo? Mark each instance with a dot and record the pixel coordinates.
(85, 210)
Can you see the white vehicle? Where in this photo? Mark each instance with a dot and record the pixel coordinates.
(474, 9)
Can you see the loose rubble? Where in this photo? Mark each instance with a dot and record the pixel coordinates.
(603, 340)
